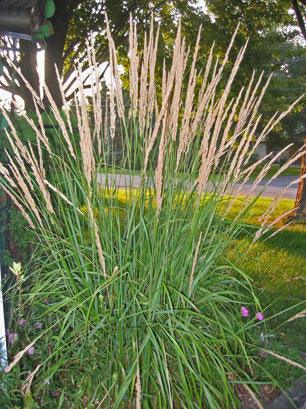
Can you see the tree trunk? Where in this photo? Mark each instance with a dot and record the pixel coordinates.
(53, 57)
(300, 201)
(55, 50)
(28, 66)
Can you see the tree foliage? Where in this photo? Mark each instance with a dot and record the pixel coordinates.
(269, 25)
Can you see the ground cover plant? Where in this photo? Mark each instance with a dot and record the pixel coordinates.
(124, 302)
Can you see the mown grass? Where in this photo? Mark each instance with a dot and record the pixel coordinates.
(277, 264)
(278, 268)
(290, 171)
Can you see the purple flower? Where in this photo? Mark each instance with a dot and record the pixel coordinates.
(22, 322)
(11, 337)
(38, 325)
(244, 311)
(259, 316)
(31, 351)
(56, 394)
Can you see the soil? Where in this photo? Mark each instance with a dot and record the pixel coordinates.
(272, 398)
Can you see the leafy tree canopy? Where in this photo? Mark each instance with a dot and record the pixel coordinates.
(275, 44)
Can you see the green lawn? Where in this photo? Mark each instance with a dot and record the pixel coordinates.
(290, 171)
(278, 268)
(278, 264)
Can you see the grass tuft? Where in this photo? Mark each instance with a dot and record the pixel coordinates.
(130, 296)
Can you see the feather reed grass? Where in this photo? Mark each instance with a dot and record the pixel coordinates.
(164, 329)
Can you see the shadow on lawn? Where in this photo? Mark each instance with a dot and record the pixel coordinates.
(292, 241)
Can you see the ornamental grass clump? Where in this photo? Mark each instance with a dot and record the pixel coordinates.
(137, 304)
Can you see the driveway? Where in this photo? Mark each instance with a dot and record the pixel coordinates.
(282, 181)
(283, 185)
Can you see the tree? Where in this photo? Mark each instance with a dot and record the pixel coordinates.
(64, 45)
(272, 46)
(300, 201)
(298, 7)
(73, 22)
(266, 23)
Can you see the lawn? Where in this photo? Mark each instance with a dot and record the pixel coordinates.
(279, 263)
(290, 171)
(278, 268)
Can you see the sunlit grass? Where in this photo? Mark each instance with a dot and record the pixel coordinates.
(278, 268)
(279, 263)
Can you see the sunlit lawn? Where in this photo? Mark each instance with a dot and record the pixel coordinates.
(278, 268)
(279, 263)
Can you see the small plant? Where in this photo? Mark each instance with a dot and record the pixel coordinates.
(138, 304)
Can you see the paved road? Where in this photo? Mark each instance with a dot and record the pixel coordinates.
(276, 188)
(285, 185)
(282, 181)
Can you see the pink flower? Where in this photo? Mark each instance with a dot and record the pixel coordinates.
(22, 322)
(11, 337)
(259, 316)
(56, 394)
(38, 325)
(244, 311)
(31, 351)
